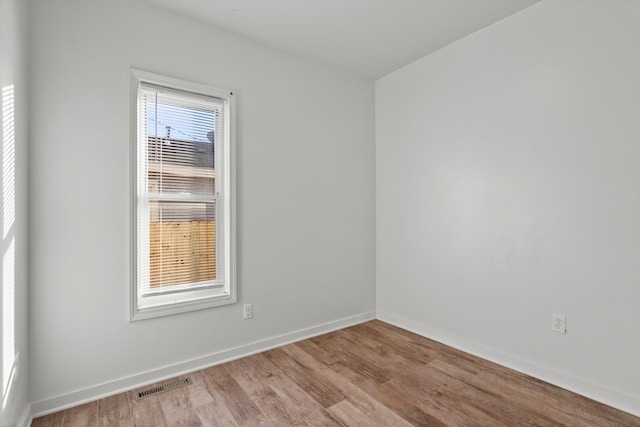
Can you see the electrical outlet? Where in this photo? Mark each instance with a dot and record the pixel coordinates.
(559, 323)
(248, 311)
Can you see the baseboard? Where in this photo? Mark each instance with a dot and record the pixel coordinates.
(120, 385)
(624, 402)
(26, 418)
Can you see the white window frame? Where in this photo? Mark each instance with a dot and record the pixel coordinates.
(196, 298)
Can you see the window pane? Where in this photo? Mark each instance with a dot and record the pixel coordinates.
(180, 167)
(182, 243)
(174, 116)
(181, 141)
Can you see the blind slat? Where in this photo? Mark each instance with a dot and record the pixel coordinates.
(177, 187)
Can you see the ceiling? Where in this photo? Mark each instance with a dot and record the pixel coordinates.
(370, 37)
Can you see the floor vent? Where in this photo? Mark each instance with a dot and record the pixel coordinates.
(165, 387)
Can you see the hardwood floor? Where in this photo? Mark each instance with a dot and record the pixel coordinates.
(372, 374)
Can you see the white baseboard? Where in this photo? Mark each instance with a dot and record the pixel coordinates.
(26, 418)
(120, 385)
(624, 402)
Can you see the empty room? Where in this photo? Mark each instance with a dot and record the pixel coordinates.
(320, 212)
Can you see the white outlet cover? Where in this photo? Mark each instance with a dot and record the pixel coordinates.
(559, 323)
(248, 311)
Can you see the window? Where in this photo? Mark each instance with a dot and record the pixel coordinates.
(183, 196)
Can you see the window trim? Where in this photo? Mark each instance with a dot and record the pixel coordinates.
(199, 300)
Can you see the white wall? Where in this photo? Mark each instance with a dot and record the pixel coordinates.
(14, 349)
(305, 197)
(508, 189)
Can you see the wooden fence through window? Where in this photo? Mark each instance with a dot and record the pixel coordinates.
(182, 252)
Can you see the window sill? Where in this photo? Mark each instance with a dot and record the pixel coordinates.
(171, 308)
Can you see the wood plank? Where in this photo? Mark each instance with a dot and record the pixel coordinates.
(82, 416)
(434, 400)
(244, 411)
(177, 409)
(426, 409)
(564, 401)
(346, 376)
(208, 404)
(353, 380)
(282, 399)
(412, 349)
(351, 416)
(384, 360)
(199, 392)
(146, 412)
(315, 385)
(265, 397)
(341, 357)
(354, 394)
(212, 415)
(393, 398)
(443, 352)
(497, 402)
(114, 411)
(422, 386)
(343, 365)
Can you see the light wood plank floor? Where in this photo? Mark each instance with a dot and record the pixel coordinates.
(372, 374)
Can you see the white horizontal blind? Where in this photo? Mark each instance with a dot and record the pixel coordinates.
(178, 190)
